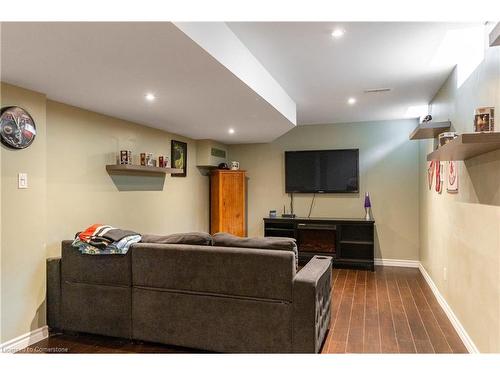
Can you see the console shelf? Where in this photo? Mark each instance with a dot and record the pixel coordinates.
(430, 130)
(466, 146)
(350, 242)
(128, 168)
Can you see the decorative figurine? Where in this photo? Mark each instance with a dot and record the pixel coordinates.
(427, 118)
(484, 120)
(368, 206)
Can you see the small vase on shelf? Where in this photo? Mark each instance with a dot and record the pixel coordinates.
(368, 206)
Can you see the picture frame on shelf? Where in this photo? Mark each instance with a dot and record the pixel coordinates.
(484, 119)
(178, 153)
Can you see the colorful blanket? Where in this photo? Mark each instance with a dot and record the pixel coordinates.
(104, 239)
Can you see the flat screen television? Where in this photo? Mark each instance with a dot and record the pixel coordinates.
(322, 171)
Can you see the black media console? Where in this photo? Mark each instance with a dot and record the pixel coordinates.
(349, 241)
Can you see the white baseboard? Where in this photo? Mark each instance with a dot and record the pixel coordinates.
(464, 336)
(397, 263)
(462, 333)
(23, 341)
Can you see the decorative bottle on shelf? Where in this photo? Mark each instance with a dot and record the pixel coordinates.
(368, 205)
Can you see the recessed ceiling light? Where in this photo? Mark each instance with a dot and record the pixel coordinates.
(231, 131)
(150, 97)
(351, 101)
(338, 33)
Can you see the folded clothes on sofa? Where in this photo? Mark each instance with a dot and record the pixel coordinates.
(105, 239)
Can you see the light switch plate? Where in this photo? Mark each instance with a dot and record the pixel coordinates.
(22, 181)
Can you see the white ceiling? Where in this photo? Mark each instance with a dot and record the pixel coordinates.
(321, 73)
(219, 41)
(109, 67)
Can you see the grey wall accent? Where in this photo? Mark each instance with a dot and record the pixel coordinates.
(388, 170)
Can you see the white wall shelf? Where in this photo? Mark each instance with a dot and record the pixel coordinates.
(430, 130)
(466, 146)
(128, 168)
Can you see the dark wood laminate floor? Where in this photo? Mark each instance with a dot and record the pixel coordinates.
(391, 310)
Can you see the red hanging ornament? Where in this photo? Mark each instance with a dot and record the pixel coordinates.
(430, 173)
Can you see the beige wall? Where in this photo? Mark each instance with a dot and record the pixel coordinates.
(23, 223)
(388, 170)
(69, 189)
(461, 232)
(80, 191)
(204, 153)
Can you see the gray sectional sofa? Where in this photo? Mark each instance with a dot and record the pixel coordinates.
(215, 298)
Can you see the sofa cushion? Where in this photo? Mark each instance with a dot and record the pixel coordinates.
(272, 243)
(211, 322)
(99, 309)
(190, 238)
(109, 269)
(231, 271)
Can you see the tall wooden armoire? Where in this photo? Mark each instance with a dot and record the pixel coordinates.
(227, 202)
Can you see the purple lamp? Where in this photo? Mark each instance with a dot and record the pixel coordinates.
(368, 205)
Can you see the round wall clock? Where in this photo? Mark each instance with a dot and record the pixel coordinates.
(17, 127)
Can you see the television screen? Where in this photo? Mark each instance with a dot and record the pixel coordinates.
(324, 171)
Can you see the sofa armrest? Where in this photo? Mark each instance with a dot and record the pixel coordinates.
(311, 305)
(53, 297)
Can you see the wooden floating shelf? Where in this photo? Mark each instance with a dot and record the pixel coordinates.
(466, 146)
(430, 130)
(128, 168)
